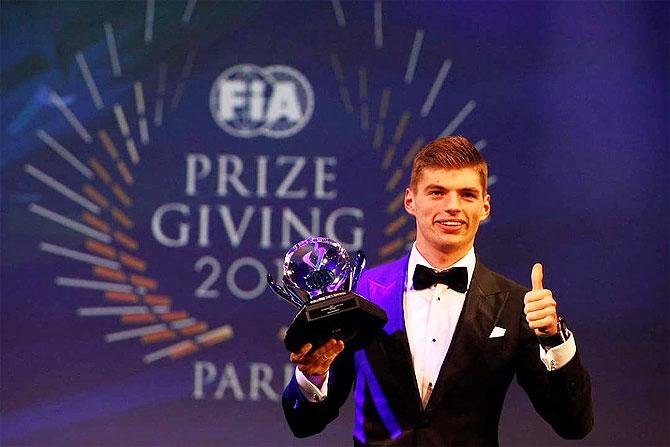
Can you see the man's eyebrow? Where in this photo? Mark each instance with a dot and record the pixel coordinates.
(472, 189)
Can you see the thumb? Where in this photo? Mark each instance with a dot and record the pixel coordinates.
(536, 276)
(304, 350)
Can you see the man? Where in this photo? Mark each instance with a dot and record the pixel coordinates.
(457, 332)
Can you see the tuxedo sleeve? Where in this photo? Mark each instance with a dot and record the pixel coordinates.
(562, 396)
(307, 418)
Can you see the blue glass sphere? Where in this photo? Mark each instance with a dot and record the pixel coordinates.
(317, 265)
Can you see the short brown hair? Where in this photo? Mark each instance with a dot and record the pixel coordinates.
(453, 152)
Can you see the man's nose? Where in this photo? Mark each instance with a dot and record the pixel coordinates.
(452, 202)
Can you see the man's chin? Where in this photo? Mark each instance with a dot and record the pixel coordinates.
(453, 243)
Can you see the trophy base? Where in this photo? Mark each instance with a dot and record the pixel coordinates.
(344, 316)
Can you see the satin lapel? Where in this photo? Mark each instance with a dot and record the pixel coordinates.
(484, 302)
(390, 357)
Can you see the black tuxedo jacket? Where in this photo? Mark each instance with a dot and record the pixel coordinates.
(465, 405)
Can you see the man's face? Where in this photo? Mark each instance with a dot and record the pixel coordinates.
(448, 205)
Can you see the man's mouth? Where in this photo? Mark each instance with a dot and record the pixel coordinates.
(451, 224)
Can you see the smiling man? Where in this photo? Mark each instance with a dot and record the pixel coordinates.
(457, 333)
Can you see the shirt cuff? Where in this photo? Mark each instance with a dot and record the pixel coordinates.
(309, 390)
(558, 356)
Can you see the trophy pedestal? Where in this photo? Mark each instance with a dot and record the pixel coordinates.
(342, 315)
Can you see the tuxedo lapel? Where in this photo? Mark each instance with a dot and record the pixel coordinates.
(391, 357)
(484, 302)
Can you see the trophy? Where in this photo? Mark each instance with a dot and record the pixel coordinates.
(320, 280)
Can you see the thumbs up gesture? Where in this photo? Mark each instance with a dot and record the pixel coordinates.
(540, 306)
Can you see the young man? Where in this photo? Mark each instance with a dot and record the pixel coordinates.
(456, 336)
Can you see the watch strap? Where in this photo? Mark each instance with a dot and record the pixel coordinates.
(557, 339)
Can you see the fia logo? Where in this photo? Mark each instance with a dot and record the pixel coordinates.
(276, 101)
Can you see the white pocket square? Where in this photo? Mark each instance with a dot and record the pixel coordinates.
(497, 332)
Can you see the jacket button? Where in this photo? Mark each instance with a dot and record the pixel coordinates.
(425, 422)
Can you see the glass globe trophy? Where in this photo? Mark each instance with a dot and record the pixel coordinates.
(320, 280)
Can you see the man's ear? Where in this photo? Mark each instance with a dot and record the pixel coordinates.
(486, 209)
(410, 202)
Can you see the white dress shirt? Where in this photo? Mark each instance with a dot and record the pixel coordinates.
(430, 317)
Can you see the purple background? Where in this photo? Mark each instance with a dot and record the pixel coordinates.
(572, 99)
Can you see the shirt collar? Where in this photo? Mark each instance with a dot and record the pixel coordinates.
(468, 261)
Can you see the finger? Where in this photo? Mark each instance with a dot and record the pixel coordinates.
(301, 360)
(326, 356)
(536, 295)
(321, 359)
(333, 351)
(536, 276)
(544, 301)
(298, 360)
(297, 356)
(540, 314)
(318, 354)
(543, 323)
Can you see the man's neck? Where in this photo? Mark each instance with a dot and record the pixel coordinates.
(440, 259)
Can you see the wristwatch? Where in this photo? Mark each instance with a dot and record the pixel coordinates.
(559, 338)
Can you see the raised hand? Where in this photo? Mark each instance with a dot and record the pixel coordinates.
(540, 306)
(316, 363)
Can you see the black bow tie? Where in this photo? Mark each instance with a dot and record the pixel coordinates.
(456, 278)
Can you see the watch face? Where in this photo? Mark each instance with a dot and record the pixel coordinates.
(563, 328)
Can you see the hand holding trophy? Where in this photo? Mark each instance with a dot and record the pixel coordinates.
(320, 280)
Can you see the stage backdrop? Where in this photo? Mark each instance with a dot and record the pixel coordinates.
(160, 157)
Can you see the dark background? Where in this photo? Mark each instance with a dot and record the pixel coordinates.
(571, 99)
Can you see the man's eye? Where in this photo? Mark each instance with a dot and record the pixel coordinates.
(435, 193)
